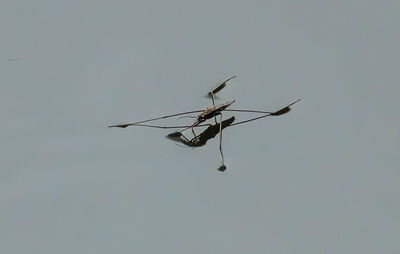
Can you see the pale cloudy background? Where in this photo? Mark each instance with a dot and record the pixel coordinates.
(322, 179)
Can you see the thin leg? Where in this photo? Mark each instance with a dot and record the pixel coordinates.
(185, 137)
(212, 98)
(223, 167)
(213, 101)
(195, 136)
(220, 139)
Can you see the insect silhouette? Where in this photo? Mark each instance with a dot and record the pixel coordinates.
(208, 113)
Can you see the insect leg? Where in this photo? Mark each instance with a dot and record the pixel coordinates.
(212, 98)
(194, 134)
(213, 101)
(222, 167)
(185, 137)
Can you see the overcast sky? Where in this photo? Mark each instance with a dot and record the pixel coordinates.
(322, 179)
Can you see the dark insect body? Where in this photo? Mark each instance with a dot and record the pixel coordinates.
(204, 115)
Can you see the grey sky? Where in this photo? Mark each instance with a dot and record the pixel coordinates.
(321, 179)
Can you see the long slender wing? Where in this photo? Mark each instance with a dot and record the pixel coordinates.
(154, 119)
